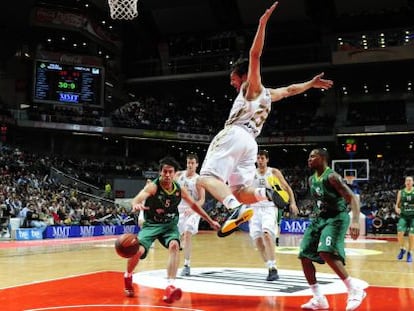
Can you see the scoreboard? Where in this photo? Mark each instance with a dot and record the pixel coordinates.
(59, 83)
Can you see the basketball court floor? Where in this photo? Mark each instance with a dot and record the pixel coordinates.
(227, 274)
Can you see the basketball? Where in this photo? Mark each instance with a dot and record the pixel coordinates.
(126, 245)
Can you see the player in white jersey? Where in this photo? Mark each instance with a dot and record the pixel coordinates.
(263, 225)
(189, 220)
(229, 166)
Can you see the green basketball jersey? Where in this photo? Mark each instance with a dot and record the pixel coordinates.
(328, 201)
(163, 205)
(407, 202)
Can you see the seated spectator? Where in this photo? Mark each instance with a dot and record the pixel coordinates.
(34, 218)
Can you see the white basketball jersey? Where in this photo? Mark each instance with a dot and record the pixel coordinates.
(251, 115)
(260, 181)
(190, 184)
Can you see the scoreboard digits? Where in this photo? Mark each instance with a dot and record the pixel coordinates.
(67, 84)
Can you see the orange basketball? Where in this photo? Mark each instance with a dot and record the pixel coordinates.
(126, 245)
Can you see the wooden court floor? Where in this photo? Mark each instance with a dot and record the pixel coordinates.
(227, 274)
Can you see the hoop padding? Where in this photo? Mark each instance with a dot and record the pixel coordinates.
(123, 9)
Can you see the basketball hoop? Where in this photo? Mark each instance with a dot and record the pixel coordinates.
(349, 179)
(123, 9)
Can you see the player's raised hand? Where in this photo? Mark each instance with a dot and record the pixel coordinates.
(319, 83)
(269, 11)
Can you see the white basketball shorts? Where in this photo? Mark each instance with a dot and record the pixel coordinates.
(188, 221)
(231, 156)
(264, 219)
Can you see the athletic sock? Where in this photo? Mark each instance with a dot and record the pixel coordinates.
(348, 283)
(231, 202)
(127, 274)
(316, 290)
(186, 262)
(271, 264)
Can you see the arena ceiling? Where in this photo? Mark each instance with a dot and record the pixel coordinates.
(168, 17)
(191, 16)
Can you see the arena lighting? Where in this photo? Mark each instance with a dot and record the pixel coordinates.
(86, 134)
(166, 140)
(288, 144)
(376, 134)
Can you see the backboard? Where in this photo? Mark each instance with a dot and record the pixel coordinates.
(352, 169)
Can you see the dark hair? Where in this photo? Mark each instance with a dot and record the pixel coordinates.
(323, 153)
(264, 153)
(169, 161)
(240, 67)
(192, 156)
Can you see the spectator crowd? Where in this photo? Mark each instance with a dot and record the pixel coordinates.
(28, 191)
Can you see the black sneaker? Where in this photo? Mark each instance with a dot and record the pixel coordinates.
(274, 196)
(272, 276)
(240, 215)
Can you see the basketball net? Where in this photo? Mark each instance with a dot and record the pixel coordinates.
(349, 179)
(123, 9)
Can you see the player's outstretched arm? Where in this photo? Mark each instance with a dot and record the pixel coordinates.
(254, 80)
(297, 88)
(138, 201)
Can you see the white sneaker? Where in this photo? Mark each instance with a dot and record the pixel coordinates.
(355, 297)
(316, 303)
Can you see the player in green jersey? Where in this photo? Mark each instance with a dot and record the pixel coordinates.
(404, 207)
(324, 239)
(162, 197)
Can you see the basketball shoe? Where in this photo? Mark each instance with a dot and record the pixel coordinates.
(273, 195)
(185, 271)
(355, 297)
(129, 288)
(401, 254)
(240, 215)
(273, 275)
(316, 303)
(172, 294)
(409, 257)
(276, 194)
